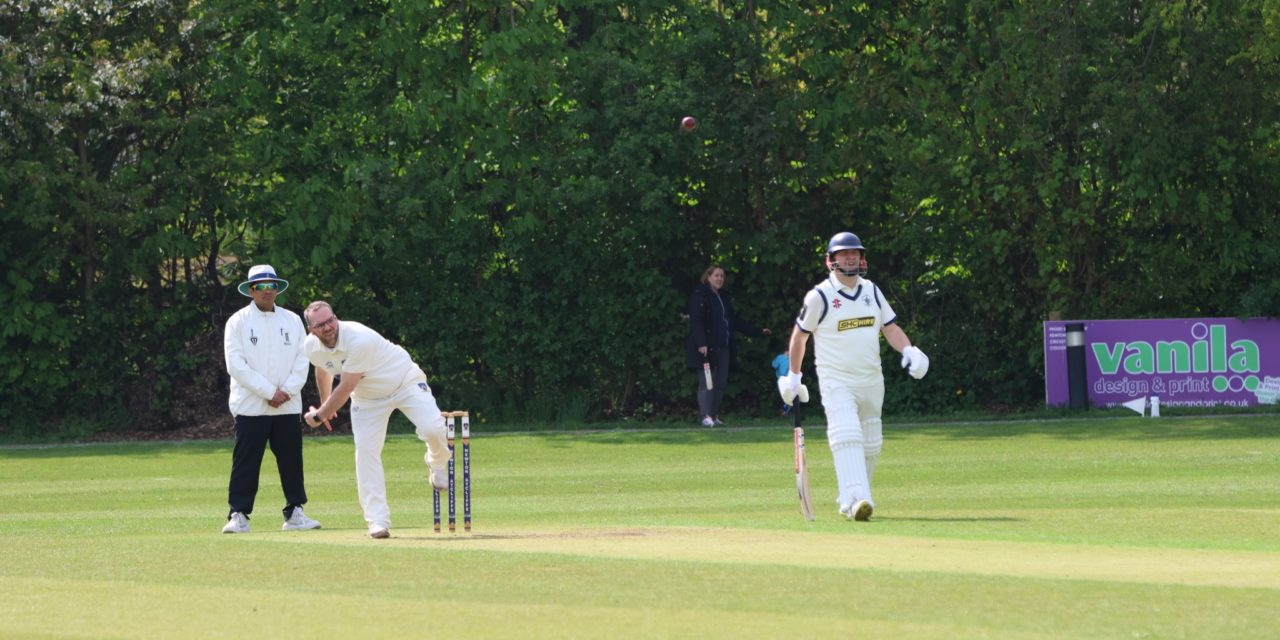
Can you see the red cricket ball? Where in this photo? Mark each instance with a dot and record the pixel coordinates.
(689, 123)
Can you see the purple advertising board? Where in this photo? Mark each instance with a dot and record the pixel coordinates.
(1185, 362)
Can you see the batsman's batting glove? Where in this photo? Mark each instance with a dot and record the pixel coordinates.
(789, 388)
(915, 362)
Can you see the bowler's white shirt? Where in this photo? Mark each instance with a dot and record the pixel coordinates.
(845, 323)
(263, 351)
(386, 366)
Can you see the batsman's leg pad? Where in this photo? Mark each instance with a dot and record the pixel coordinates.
(843, 424)
(873, 439)
(851, 473)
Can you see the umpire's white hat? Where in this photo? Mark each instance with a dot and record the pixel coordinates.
(262, 273)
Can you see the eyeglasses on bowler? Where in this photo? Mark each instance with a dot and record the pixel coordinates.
(321, 325)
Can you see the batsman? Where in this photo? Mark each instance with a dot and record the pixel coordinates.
(847, 313)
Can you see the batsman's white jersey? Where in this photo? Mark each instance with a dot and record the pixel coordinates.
(386, 366)
(845, 323)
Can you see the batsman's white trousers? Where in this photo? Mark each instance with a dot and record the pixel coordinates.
(369, 426)
(854, 431)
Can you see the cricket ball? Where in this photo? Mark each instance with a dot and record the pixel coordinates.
(689, 123)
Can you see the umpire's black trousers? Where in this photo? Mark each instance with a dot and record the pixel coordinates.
(253, 434)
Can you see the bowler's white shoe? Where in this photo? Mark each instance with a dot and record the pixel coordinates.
(298, 521)
(439, 479)
(860, 510)
(237, 523)
(379, 531)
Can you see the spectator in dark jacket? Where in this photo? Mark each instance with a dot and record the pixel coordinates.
(711, 326)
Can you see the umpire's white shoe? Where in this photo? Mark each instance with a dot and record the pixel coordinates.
(378, 531)
(860, 510)
(237, 523)
(298, 521)
(439, 479)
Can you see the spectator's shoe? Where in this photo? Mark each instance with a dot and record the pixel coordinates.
(860, 510)
(439, 479)
(298, 521)
(717, 421)
(708, 422)
(237, 523)
(379, 531)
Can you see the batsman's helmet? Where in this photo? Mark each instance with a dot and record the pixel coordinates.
(843, 241)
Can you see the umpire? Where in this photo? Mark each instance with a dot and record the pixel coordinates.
(263, 348)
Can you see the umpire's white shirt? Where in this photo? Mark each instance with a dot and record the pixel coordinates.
(845, 323)
(386, 366)
(264, 353)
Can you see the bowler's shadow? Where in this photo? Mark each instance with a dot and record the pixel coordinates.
(898, 519)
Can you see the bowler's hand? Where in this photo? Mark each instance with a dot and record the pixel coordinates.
(313, 419)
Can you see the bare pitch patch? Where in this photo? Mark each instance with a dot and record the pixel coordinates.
(853, 550)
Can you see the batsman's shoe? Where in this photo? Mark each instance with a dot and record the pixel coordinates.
(860, 510)
(237, 523)
(298, 521)
(439, 479)
(379, 531)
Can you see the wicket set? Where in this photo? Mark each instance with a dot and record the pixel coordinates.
(451, 424)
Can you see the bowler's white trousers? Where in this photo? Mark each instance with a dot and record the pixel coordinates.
(369, 426)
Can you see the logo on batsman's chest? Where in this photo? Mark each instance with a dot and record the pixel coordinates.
(836, 303)
(855, 323)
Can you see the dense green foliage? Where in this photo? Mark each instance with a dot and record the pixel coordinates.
(503, 187)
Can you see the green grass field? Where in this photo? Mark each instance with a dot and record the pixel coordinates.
(1112, 528)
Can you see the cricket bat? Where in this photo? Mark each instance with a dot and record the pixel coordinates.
(802, 468)
(706, 372)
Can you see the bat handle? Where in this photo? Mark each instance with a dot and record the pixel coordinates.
(795, 412)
